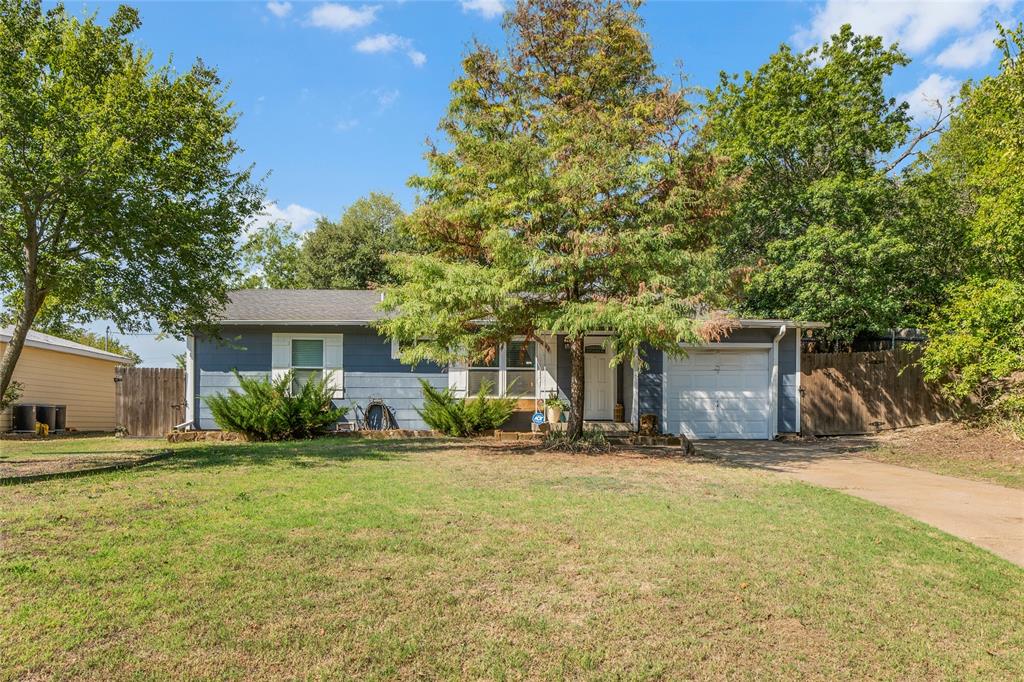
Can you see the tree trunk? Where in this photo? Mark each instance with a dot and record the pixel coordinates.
(574, 429)
(32, 300)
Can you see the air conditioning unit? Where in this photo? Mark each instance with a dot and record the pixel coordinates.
(25, 417)
(47, 414)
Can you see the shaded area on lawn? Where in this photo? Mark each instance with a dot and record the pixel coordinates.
(778, 455)
(443, 559)
(30, 456)
(300, 453)
(21, 456)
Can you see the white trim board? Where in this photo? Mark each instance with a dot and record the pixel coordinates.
(95, 353)
(333, 360)
(725, 345)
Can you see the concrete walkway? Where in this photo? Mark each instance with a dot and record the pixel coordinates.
(988, 515)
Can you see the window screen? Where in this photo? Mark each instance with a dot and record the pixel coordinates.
(307, 353)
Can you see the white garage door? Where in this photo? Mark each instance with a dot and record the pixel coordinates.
(719, 394)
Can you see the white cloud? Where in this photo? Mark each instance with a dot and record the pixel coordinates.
(346, 124)
(923, 99)
(488, 8)
(279, 9)
(417, 57)
(300, 217)
(342, 17)
(389, 42)
(915, 24)
(385, 98)
(382, 42)
(971, 51)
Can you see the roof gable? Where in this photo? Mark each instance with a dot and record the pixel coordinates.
(36, 339)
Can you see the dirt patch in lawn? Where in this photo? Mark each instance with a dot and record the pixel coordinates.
(989, 454)
(15, 469)
(59, 455)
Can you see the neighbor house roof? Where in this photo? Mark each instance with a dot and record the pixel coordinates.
(36, 339)
(348, 306)
(301, 306)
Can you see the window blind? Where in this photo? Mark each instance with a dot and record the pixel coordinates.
(307, 353)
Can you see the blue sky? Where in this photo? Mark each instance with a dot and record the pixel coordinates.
(336, 99)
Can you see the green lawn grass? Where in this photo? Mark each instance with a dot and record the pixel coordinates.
(28, 456)
(83, 444)
(365, 559)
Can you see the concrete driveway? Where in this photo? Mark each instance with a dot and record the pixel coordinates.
(988, 515)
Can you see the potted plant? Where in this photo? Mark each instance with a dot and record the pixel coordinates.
(554, 406)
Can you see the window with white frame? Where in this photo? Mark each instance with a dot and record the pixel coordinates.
(521, 369)
(307, 362)
(512, 372)
(400, 345)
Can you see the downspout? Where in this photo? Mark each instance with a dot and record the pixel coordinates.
(774, 426)
(799, 359)
(190, 385)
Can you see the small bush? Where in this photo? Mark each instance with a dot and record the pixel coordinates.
(589, 441)
(1009, 411)
(267, 410)
(13, 392)
(460, 417)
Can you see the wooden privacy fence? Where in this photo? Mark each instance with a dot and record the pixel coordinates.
(150, 400)
(851, 393)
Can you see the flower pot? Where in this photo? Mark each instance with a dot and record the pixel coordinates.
(554, 415)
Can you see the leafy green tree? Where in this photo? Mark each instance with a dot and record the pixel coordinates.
(978, 338)
(53, 319)
(569, 198)
(977, 341)
(352, 253)
(118, 195)
(819, 220)
(270, 258)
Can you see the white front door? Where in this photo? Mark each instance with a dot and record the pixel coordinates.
(719, 394)
(598, 381)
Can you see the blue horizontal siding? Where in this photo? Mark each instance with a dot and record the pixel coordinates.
(365, 354)
(789, 397)
(650, 390)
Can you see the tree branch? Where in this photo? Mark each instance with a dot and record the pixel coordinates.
(922, 135)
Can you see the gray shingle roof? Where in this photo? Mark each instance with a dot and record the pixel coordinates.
(36, 339)
(299, 306)
(302, 305)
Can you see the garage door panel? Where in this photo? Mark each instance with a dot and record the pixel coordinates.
(719, 394)
(742, 430)
(697, 361)
(691, 402)
(741, 381)
(739, 406)
(697, 429)
(747, 395)
(698, 380)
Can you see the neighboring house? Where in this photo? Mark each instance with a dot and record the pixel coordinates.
(55, 371)
(746, 386)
